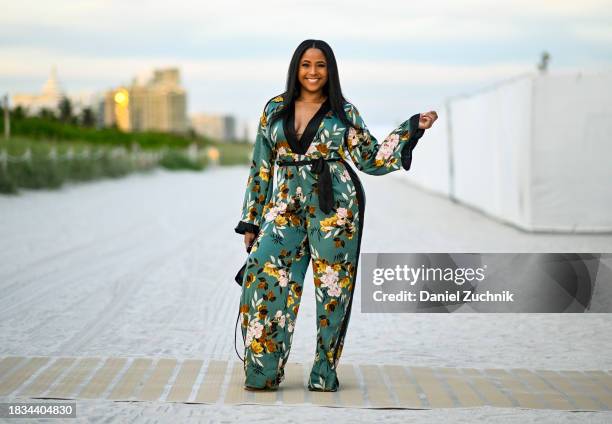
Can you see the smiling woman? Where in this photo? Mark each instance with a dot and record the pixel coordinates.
(314, 212)
(312, 75)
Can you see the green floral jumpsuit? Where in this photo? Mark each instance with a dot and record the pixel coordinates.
(306, 203)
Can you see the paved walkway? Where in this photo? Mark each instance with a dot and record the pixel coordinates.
(362, 385)
(143, 267)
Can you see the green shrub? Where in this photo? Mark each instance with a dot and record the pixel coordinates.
(42, 170)
(175, 160)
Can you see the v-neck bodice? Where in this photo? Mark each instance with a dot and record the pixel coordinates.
(300, 146)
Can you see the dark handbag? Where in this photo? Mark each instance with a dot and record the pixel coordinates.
(240, 276)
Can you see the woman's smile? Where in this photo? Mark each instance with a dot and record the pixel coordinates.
(312, 72)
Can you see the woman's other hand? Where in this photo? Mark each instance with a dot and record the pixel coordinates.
(249, 238)
(427, 119)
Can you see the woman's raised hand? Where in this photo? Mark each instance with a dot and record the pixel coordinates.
(248, 240)
(427, 119)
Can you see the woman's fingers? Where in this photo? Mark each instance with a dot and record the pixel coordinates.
(427, 119)
(248, 240)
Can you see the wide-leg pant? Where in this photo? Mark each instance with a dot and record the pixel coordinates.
(296, 233)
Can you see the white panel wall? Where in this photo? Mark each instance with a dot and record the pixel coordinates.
(535, 152)
(490, 135)
(572, 153)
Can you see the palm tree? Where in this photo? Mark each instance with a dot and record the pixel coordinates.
(544, 59)
(65, 109)
(87, 117)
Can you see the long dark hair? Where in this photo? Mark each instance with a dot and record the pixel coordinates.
(331, 88)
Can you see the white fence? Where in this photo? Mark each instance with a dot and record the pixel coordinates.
(535, 152)
(143, 158)
(135, 155)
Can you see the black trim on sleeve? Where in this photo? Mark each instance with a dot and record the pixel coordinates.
(412, 141)
(244, 227)
(414, 123)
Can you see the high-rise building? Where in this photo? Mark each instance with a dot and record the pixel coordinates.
(218, 127)
(156, 104)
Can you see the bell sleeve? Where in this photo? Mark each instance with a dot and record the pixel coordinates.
(258, 188)
(379, 158)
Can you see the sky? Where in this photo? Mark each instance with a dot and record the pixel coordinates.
(395, 58)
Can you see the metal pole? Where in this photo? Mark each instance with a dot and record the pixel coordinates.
(451, 155)
(7, 118)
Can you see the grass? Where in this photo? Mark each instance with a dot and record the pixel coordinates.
(99, 153)
(88, 163)
(234, 153)
(37, 128)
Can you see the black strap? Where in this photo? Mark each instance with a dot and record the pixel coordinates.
(235, 331)
(319, 166)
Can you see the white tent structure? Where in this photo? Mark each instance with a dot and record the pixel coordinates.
(535, 152)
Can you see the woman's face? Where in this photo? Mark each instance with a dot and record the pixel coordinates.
(313, 70)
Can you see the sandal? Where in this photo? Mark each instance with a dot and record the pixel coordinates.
(260, 389)
(312, 389)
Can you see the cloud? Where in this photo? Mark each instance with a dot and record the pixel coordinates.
(99, 13)
(434, 20)
(594, 33)
(37, 62)
(432, 48)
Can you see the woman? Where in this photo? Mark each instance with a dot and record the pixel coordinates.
(304, 202)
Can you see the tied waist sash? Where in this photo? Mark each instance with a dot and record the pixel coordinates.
(319, 166)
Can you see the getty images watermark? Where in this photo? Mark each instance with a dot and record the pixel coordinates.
(486, 282)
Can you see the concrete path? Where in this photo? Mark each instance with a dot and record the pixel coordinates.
(362, 385)
(143, 267)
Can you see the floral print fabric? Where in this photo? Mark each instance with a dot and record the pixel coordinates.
(281, 206)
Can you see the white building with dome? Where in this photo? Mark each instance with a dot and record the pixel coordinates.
(49, 98)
